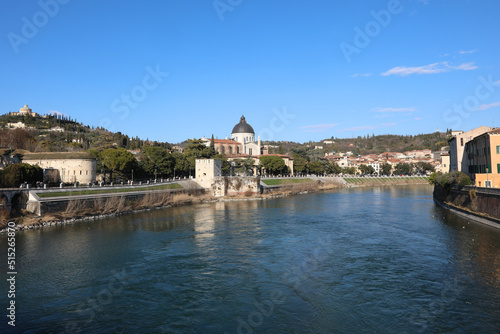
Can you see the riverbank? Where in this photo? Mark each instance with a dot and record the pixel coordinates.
(77, 210)
(480, 204)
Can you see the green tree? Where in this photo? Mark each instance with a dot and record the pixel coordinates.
(423, 167)
(273, 165)
(159, 159)
(16, 174)
(197, 149)
(181, 164)
(299, 164)
(403, 169)
(118, 160)
(386, 169)
(366, 169)
(316, 167)
(349, 170)
(244, 166)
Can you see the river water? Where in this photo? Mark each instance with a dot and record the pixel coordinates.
(364, 260)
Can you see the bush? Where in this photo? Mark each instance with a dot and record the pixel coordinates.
(452, 179)
(16, 174)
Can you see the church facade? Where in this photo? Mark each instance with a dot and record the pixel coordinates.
(242, 145)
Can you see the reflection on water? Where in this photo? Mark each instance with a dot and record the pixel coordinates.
(377, 260)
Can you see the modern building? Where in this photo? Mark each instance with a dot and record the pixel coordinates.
(483, 157)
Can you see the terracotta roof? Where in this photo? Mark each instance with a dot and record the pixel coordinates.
(225, 141)
(497, 130)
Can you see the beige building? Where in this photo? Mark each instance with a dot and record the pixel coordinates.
(445, 163)
(483, 156)
(458, 159)
(65, 166)
(24, 111)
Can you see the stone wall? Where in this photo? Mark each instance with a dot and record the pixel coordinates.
(236, 185)
(479, 200)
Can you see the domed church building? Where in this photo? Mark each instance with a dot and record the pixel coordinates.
(242, 144)
(243, 133)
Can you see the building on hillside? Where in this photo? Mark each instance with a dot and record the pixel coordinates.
(242, 145)
(458, 159)
(418, 153)
(483, 157)
(65, 166)
(24, 111)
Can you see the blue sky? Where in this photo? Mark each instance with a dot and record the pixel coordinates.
(298, 70)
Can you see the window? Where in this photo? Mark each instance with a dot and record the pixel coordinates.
(498, 149)
(444, 165)
(498, 168)
(487, 184)
(461, 142)
(250, 151)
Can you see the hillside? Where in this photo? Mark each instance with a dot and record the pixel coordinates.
(51, 133)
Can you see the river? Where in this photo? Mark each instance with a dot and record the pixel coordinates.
(359, 260)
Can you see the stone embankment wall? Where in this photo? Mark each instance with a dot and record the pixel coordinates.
(41, 206)
(236, 185)
(478, 200)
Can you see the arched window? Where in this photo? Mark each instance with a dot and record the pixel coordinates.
(222, 150)
(230, 150)
(237, 150)
(250, 151)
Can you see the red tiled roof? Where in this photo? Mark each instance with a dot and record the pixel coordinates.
(225, 141)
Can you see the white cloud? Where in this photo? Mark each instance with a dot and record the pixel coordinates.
(357, 75)
(318, 127)
(466, 52)
(488, 106)
(417, 118)
(497, 83)
(429, 69)
(379, 109)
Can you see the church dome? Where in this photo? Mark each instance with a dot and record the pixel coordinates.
(243, 127)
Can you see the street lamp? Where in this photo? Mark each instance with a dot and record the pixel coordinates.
(174, 173)
(155, 174)
(132, 176)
